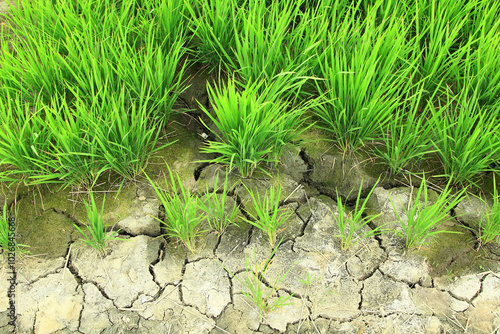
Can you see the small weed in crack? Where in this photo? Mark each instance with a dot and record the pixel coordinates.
(265, 298)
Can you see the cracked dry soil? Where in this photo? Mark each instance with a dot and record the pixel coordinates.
(148, 285)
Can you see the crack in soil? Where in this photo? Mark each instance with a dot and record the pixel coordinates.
(479, 290)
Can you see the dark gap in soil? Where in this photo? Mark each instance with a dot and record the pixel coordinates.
(361, 296)
(231, 287)
(181, 296)
(303, 228)
(186, 261)
(265, 328)
(179, 286)
(120, 231)
(63, 212)
(480, 288)
(199, 169)
(159, 293)
(240, 205)
(250, 233)
(78, 278)
(158, 257)
(321, 192)
(381, 245)
(307, 160)
(477, 244)
(219, 238)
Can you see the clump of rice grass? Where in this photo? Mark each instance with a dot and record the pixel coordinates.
(253, 124)
(424, 219)
(438, 47)
(364, 76)
(489, 223)
(213, 25)
(268, 214)
(184, 212)
(25, 140)
(104, 79)
(465, 136)
(350, 224)
(271, 39)
(219, 214)
(98, 236)
(8, 231)
(407, 138)
(265, 297)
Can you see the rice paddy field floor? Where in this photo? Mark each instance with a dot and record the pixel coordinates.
(148, 283)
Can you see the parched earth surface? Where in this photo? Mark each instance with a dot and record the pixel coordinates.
(145, 284)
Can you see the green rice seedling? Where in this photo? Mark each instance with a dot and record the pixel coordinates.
(424, 219)
(351, 223)
(32, 70)
(126, 133)
(184, 212)
(8, 231)
(364, 78)
(269, 216)
(466, 136)
(213, 26)
(408, 137)
(482, 18)
(273, 39)
(95, 226)
(218, 216)
(265, 298)
(308, 280)
(481, 68)
(253, 127)
(438, 28)
(170, 18)
(76, 157)
(25, 141)
(90, 46)
(158, 69)
(489, 223)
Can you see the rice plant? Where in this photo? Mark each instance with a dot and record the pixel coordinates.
(264, 297)
(184, 212)
(489, 223)
(95, 226)
(350, 224)
(364, 76)
(438, 48)
(253, 127)
(126, 134)
(75, 151)
(465, 135)
(268, 215)
(25, 140)
(214, 27)
(408, 135)
(273, 39)
(92, 45)
(481, 66)
(218, 214)
(8, 231)
(424, 219)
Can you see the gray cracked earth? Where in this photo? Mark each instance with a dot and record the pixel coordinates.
(146, 285)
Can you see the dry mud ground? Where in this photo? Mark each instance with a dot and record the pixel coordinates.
(146, 285)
